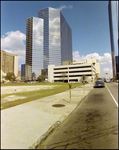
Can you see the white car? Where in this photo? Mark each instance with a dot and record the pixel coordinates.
(108, 80)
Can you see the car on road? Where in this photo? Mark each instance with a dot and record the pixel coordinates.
(99, 84)
(108, 80)
(99, 79)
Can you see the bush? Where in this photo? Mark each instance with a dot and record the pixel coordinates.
(10, 76)
(41, 78)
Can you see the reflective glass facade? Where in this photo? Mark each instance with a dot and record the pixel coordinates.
(37, 51)
(57, 37)
(34, 48)
(54, 37)
(113, 24)
(66, 40)
(22, 70)
(44, 13)
(48, 42)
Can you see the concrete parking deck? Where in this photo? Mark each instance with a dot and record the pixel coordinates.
(25, 125)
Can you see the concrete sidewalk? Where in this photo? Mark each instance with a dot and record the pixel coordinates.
(26, 125)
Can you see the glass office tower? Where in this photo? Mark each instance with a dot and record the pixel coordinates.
(34, 48)
(48, 42)
(23, 71)
(113, 24)
(57, 37)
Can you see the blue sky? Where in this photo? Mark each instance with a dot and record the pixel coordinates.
(87, 19)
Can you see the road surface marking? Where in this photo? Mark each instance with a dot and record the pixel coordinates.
(112, 96)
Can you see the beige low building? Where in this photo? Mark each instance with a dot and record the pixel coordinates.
(97, 65)
(9, 63)
(94, 62)
(74, 72)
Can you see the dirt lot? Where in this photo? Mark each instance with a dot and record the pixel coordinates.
(12, 89)
(15, 89)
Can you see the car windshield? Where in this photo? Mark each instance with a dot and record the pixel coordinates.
(99, 82)
(99, 79)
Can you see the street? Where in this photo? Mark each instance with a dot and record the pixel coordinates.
(92, 125)
(113, 88)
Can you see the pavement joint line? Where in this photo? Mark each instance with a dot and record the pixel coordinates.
(112, 96)
(57, 123)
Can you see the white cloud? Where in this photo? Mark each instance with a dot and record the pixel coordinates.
(65, 7)
(105, 61)
(13, 42)
(107, 70)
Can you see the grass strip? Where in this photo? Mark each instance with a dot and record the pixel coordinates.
(37, 94)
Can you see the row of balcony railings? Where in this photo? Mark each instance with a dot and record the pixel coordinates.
(78, 67)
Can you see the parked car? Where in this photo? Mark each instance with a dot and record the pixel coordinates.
(99, 84)
(99, 79)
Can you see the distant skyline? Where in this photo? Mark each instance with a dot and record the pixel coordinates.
(88, 20)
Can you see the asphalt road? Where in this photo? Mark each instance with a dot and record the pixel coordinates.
(92, 125)
(114, 89)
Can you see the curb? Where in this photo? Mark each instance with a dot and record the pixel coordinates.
(51, 129)
(56, 124)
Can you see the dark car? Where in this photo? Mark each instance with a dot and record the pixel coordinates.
(99, 79)
(99, 84)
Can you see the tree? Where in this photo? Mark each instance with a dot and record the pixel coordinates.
(41, 78)
(10, 76)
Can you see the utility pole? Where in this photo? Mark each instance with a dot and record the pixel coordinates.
(84, 83)
(70, 91)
